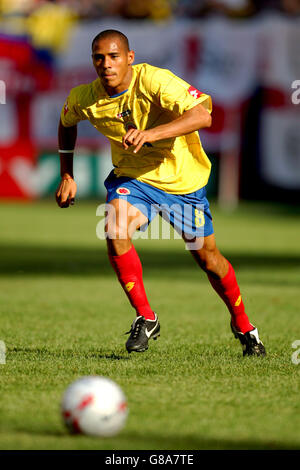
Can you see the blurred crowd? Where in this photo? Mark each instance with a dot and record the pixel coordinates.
(150, 9)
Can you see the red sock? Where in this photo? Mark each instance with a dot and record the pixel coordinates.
(229, 291)
(130, 274)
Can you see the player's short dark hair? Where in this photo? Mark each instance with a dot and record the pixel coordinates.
(111, 33)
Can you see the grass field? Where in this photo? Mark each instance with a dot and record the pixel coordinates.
(63, 315)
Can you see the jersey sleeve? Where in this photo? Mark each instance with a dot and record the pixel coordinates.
(71, 113)
(174, 94)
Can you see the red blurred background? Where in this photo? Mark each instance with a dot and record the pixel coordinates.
(244, 53)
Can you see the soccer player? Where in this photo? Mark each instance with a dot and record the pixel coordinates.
(151, 118)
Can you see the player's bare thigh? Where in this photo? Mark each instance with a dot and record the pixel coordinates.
(122, 220)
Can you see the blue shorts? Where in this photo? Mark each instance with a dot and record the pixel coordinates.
(189, 214)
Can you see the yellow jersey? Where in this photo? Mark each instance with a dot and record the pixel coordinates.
(155, 96)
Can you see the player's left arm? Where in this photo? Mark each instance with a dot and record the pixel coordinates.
(191, 120)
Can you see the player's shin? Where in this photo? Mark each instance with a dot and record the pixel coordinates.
(129, 270)
(229, 291)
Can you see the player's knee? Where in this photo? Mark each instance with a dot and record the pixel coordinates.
(115, 231)
(116, 226)
(122, 220)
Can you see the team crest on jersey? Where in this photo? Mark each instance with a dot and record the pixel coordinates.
(194, 92)
(66, 108)
(124, 114)
(123, 191)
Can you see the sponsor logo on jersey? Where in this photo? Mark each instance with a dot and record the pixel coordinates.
(238, 302)
(194, 92)
(129, 286)
(123, 191)
(124, 114)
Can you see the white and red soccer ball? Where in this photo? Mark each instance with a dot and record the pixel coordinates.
(95, 406)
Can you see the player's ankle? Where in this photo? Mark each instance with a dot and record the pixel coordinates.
(241, 323)
(147, 313)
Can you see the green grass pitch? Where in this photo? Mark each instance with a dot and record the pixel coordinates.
(63, 315)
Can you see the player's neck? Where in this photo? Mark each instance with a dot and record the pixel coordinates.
(111, 91)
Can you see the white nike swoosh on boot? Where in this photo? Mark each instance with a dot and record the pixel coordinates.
(148, 333)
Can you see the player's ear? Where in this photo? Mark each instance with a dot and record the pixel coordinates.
(130, 57)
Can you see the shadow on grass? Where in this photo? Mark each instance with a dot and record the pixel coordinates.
(138, 441)
(21, 260)
(45, 353)
(192, 442)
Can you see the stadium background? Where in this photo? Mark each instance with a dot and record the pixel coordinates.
(244, 53)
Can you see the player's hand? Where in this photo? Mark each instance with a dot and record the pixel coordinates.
(66, 191)
(136, 138)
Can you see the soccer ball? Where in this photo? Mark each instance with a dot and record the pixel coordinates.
(95, 406)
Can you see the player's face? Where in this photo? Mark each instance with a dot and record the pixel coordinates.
(113, 64)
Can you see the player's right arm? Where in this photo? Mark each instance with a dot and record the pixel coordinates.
(66, 191)
(71, 114)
